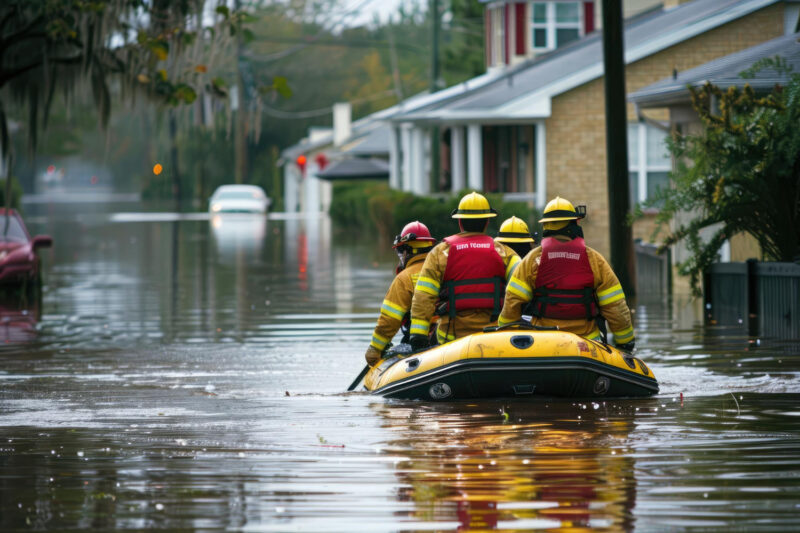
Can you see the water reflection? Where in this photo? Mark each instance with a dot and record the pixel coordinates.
(182, 377)
(239, 235)
(515, 466)
(19, 314)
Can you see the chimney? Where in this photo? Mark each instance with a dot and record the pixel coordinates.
(341, 122)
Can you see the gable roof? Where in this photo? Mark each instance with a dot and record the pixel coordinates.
(365, 125)
(526, 91)
(356, 168)
(725, 72)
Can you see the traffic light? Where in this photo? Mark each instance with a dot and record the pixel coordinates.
(321, 161)
(301, 164)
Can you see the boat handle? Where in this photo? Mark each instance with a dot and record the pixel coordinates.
(412, 364)
(519, 324)
(522, 341)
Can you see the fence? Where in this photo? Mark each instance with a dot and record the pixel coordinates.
(762, 297)
(652, 272)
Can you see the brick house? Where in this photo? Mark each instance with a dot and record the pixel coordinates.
(671, 96)
(537, 129)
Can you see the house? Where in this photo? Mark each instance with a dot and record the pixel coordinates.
(306, 187)
(537, 129)
(369, 137)
(671, 96)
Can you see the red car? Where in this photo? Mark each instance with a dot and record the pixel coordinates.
(18, 260)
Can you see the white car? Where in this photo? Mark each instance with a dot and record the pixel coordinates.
(238, 199)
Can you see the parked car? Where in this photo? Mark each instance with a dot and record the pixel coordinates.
(18, 259)
(238, 199)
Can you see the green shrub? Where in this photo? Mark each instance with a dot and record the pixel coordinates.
(371, 204)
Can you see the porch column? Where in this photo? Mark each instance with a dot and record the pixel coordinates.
(394, 157)
(419, 178)
(541, 166)
(475, 157)
(405, 157)
(457, 158)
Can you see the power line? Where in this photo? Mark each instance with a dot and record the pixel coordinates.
(312, 113)
(298, 47)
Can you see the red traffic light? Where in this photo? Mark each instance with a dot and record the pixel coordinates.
(321, 161)
(301, 161)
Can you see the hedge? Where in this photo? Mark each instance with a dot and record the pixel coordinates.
(371, 204)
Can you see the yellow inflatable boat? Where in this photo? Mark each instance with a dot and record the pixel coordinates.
(512, 362)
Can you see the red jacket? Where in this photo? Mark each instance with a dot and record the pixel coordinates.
(565, 282)
(474, 277)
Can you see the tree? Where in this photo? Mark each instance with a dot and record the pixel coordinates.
(463, 49)
(740, 173)
(56, 46)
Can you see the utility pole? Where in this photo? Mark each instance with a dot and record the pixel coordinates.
(621, 236)
(239, 133)
(435, 134)
(177, 193)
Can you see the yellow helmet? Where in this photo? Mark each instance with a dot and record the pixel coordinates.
(514, 230)
(474, 205)
(559, 209)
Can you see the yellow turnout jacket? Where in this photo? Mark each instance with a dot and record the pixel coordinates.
(426, 294)
(608, 291)
(397, 303)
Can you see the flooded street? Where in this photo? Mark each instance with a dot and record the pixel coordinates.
(189, 373)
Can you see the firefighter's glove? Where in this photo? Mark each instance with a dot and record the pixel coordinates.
(627, 347)
(418, 342)
(372, 356)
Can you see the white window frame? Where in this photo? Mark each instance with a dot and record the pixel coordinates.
(642, 167)
(550, 25)
(498, 34)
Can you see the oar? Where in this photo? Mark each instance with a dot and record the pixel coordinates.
(358, 379)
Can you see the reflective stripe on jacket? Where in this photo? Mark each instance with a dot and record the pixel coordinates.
(397, 303)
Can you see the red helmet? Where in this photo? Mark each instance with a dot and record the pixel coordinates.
(414, 232)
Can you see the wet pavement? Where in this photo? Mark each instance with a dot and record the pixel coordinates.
(187, 372)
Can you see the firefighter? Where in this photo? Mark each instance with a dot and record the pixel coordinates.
(463, 278)
(565, 283)
(514, 233)
(412, 246)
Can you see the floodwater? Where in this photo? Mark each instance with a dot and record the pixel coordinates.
(188, 373)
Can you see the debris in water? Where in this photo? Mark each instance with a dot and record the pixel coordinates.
(287, 393)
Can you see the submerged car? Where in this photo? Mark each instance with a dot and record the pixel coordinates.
(238, 199)
(19, 262)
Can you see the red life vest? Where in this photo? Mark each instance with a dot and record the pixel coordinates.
(564, 282)
(474, 277)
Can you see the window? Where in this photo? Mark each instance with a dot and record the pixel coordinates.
(555, 24)
(498, 18)
(648, 160)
